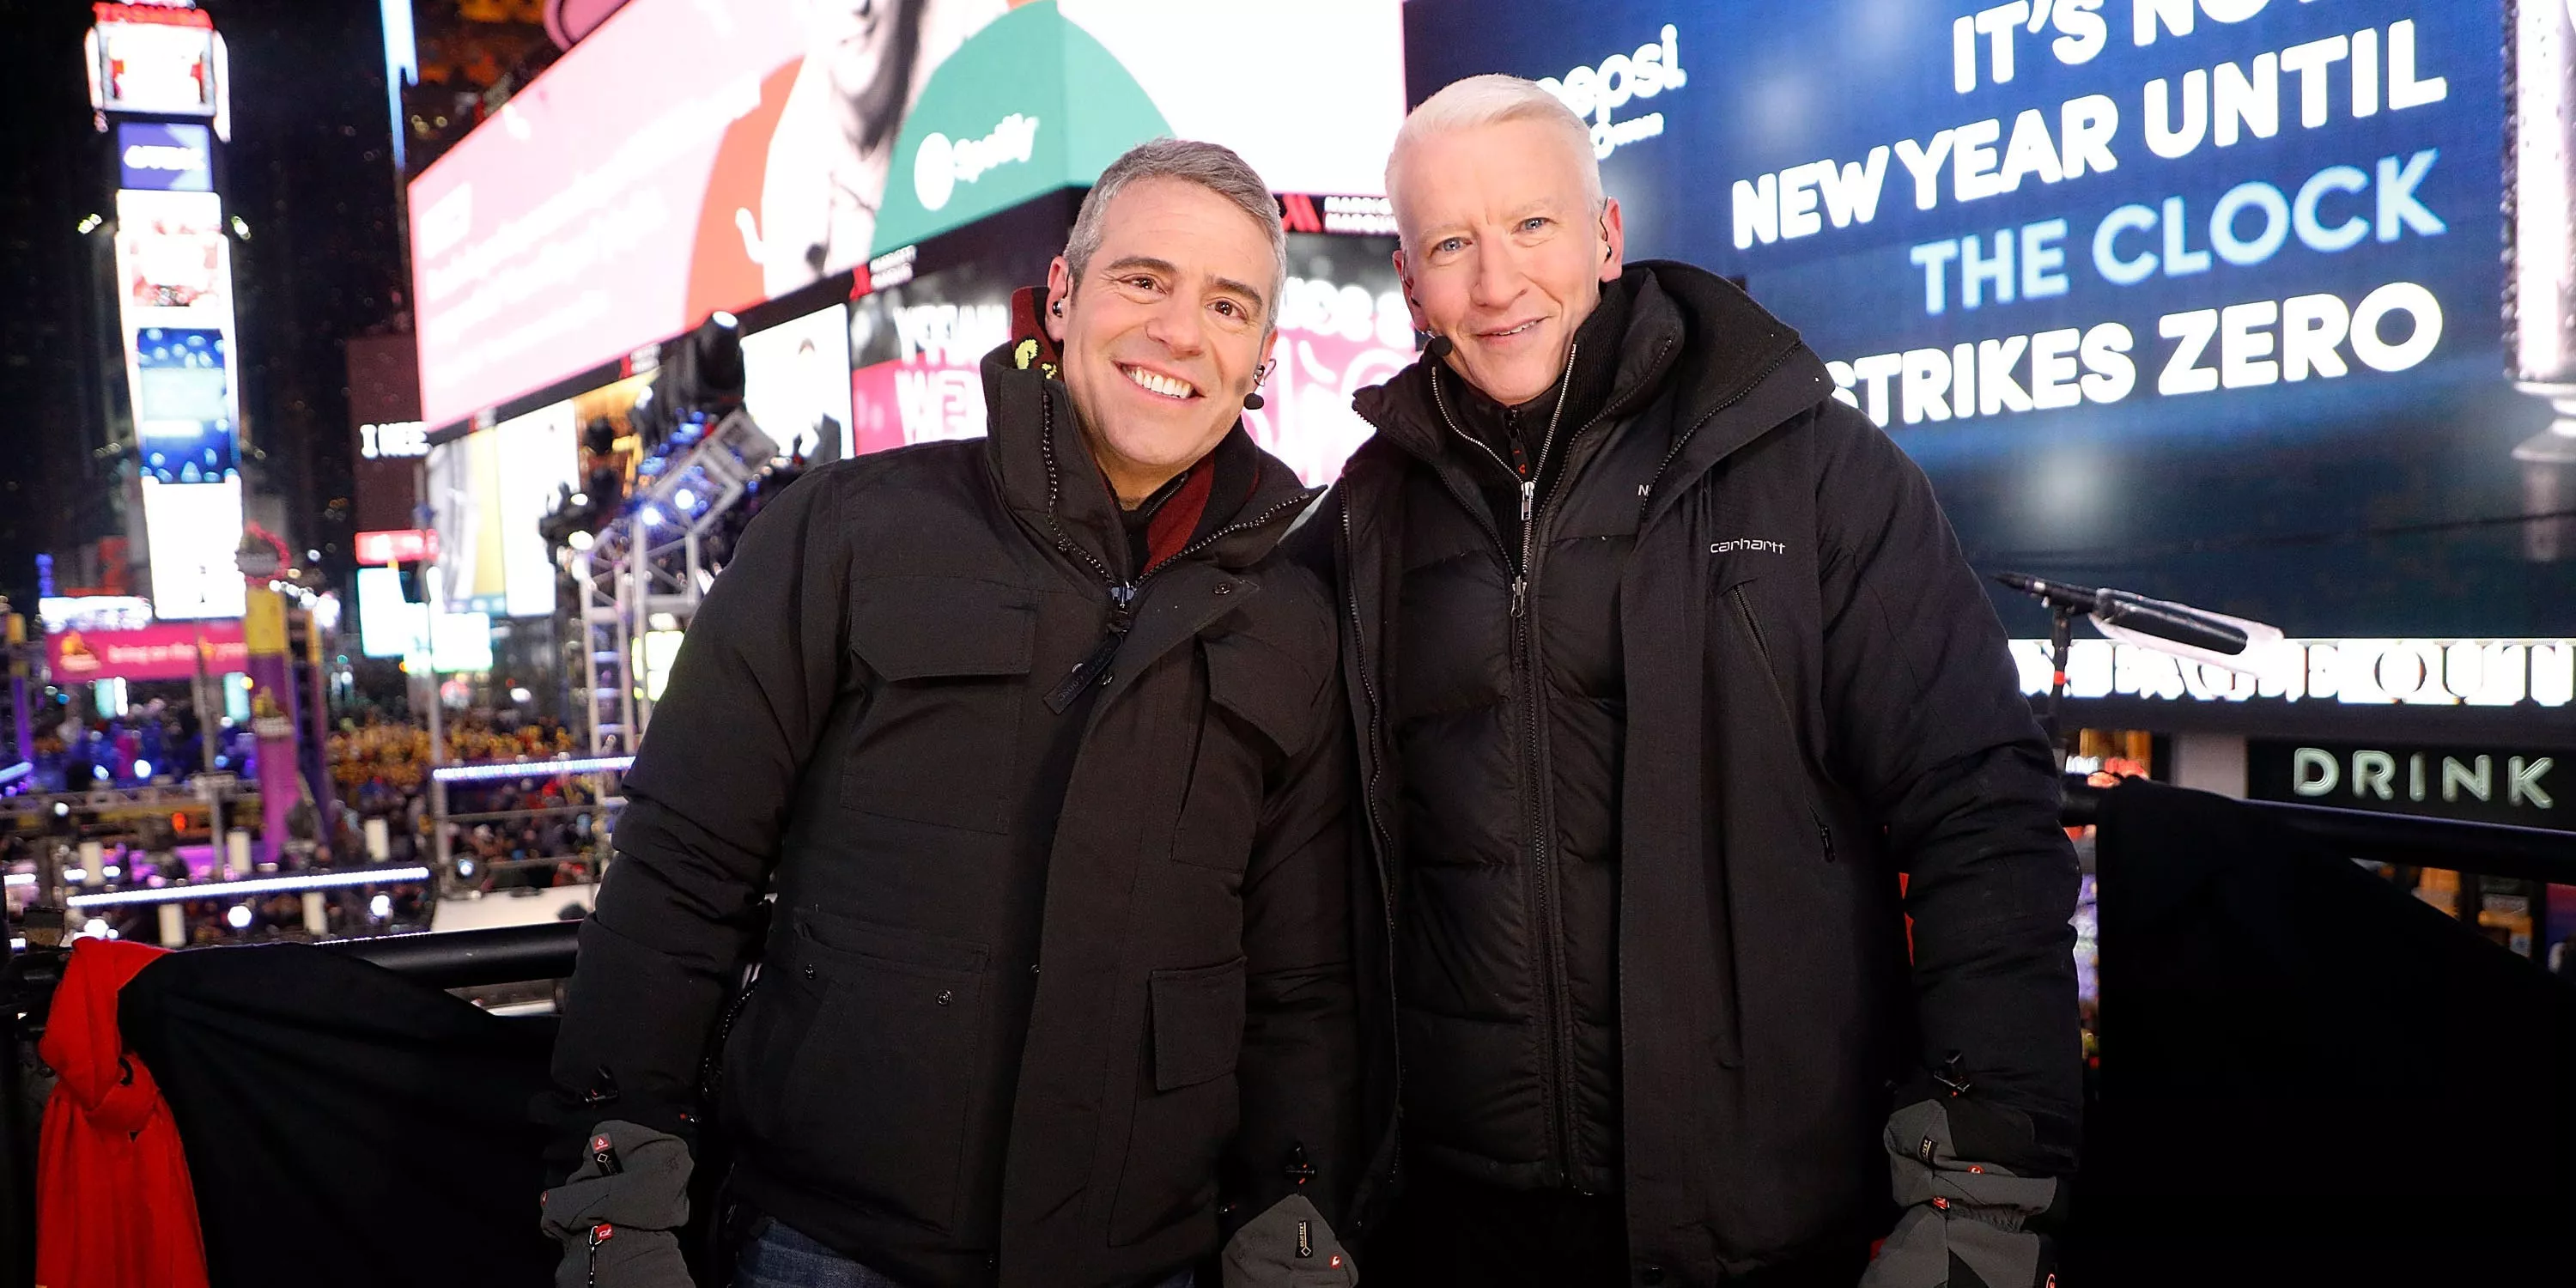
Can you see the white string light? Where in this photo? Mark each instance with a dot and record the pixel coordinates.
(255, 885)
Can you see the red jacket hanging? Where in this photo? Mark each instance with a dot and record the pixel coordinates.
(114, 1208)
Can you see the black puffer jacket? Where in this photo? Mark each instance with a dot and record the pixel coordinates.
(1508, 708)
(1818, 699)
(1049, 961)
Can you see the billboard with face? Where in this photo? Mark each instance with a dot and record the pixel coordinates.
(605, 209)
(2198, 297)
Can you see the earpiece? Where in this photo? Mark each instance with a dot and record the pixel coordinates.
(1056, 308)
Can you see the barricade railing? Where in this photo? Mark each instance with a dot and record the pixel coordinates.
(516, 954)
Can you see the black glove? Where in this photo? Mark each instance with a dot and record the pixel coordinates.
(619, 1215)
(1966, 1224)
(1288, 1246)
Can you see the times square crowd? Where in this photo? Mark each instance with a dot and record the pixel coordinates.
(506, 834)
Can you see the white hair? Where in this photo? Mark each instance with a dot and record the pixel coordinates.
(1491, 99)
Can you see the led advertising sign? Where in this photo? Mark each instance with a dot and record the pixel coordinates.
(407, 545)
(460, 642)
(604, 210)
(388, 624)
(2338, 672)
(487, 493)
(156, 157)
(147, 652)
(2201, 298)
(93, 612)
(155, 59)
(796, 384)
(174, 273)
(191, 531)
(2514, 786)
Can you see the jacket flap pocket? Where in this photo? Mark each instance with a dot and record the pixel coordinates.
(1258, 682)
(886, 947)
(1198, 1023)
(911, 628)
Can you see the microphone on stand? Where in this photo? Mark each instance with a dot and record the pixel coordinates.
(2131, 618)
(2166, 623)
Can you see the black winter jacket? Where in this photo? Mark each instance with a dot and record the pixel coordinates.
(1507, 711)
(1818, 701)
(1054, 967)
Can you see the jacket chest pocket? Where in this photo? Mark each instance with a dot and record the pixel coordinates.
(939, 742)
(1256, 707)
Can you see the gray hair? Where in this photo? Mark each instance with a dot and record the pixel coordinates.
(1491, 100)
(1209, 165)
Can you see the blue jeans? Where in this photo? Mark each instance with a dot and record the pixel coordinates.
(779, 1257)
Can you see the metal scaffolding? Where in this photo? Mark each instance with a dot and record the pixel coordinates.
(647, 572)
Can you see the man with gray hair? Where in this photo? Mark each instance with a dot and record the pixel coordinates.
(1037, 742)
(1670, 671)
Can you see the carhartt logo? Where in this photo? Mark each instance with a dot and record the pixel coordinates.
(1749, 543)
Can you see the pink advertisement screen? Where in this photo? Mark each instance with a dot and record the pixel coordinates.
(147, 653)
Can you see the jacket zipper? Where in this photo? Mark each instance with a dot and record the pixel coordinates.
(1771, 681)
(1123, 595)
(1542, 845)
(1368, 810)
(1646, 494)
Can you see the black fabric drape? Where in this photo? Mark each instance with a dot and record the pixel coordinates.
(2307, 1071)
(344, 1125)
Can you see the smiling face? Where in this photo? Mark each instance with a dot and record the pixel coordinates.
(1166, 331)
(1503, 252)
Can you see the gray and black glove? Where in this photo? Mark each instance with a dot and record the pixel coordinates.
(618, 1216)
(1966, 1224)
(1288, 1246)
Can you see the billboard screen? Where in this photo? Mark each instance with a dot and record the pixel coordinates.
(174, 276)
(156, 59)
(147, 652)
(388, 624)
(488, 490)
(191, 531)
(1342, 327)
(2200, 299)
(603, 210)
(156, 157)
(796, 384)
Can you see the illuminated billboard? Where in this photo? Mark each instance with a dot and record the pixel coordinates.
(487, 492)
(191, 531)
(388, 624)
(174, 279)
(796, 384)
(146, 652)
(602, 210)
(157, 59)
(2198, 298)
(155, 157)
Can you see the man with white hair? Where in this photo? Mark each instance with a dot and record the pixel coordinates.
(1670, 677)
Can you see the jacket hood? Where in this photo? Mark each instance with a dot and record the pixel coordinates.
(83, 1043)
(1692, 335)
(1038, 460)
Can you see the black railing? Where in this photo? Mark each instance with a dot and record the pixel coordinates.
(472, 958)
(2402, 840)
